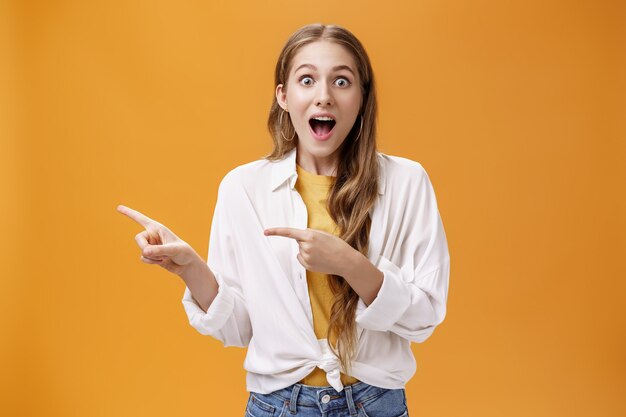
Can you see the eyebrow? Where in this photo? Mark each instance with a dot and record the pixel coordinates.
(337, 68)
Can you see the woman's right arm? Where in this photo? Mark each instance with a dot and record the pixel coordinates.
(201, 282)
(214, 298)
(161, 246)
(228, 318)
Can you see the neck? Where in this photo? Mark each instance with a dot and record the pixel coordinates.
(317, 165)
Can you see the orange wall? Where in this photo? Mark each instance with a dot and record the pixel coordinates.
(516, 109)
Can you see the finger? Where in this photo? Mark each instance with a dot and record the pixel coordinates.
(154, 239)
(297, 234)
(140, 218)
(142, 239)
(302, 261)
(150, 261)
(155, 251)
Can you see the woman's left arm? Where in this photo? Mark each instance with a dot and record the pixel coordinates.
(407, 297)
(411, 301)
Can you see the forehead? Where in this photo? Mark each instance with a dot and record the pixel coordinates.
(324, 55)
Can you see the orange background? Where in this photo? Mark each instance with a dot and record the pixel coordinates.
(516, 110)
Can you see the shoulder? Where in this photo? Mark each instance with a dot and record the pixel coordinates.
(246, 176)
(408, 186)
(400, 170)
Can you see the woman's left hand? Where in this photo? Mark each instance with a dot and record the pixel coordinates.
(319, 251)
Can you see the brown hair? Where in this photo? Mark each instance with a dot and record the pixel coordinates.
(355, 186)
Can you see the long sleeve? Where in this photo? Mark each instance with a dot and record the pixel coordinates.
(227, 318)
(412, 299)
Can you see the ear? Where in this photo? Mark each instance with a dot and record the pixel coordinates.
(281, 96)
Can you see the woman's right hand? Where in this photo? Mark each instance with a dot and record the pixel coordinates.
(159, 245)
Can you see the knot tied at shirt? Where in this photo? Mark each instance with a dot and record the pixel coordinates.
(331, 365)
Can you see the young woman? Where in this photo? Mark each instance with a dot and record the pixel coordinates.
(326, 258)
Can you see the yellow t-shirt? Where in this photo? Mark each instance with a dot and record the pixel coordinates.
(314, 191)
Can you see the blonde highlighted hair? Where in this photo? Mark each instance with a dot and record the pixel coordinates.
(355, 187)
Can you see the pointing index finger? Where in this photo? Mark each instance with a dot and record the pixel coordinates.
(142, 219)
(297, 234)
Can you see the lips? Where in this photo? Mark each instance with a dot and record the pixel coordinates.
(322, 125)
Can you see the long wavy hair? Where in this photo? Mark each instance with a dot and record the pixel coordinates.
(355, 187)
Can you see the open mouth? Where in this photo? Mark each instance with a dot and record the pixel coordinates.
(322, 126)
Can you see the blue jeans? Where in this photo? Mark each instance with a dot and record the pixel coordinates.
(356, 400)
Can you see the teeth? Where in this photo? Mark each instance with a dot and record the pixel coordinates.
(324, 118)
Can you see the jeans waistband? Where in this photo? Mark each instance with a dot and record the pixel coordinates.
(326, 397)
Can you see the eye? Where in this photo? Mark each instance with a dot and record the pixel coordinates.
(306, 80)
(345, 82)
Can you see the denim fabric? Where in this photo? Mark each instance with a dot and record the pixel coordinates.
(356, 400)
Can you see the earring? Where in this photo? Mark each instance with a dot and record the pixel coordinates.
(357, 136)
(280, 122)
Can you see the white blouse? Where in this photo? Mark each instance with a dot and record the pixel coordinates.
(263, 299)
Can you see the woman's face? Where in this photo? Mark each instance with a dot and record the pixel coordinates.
(323, 82)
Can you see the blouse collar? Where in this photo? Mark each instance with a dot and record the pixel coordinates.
(285, 169)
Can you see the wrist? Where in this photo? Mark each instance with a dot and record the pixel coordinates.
(351, 260)
(193, 268)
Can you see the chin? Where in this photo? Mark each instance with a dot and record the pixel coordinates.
(319, 149)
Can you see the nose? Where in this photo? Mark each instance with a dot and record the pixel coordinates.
(324, 96)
